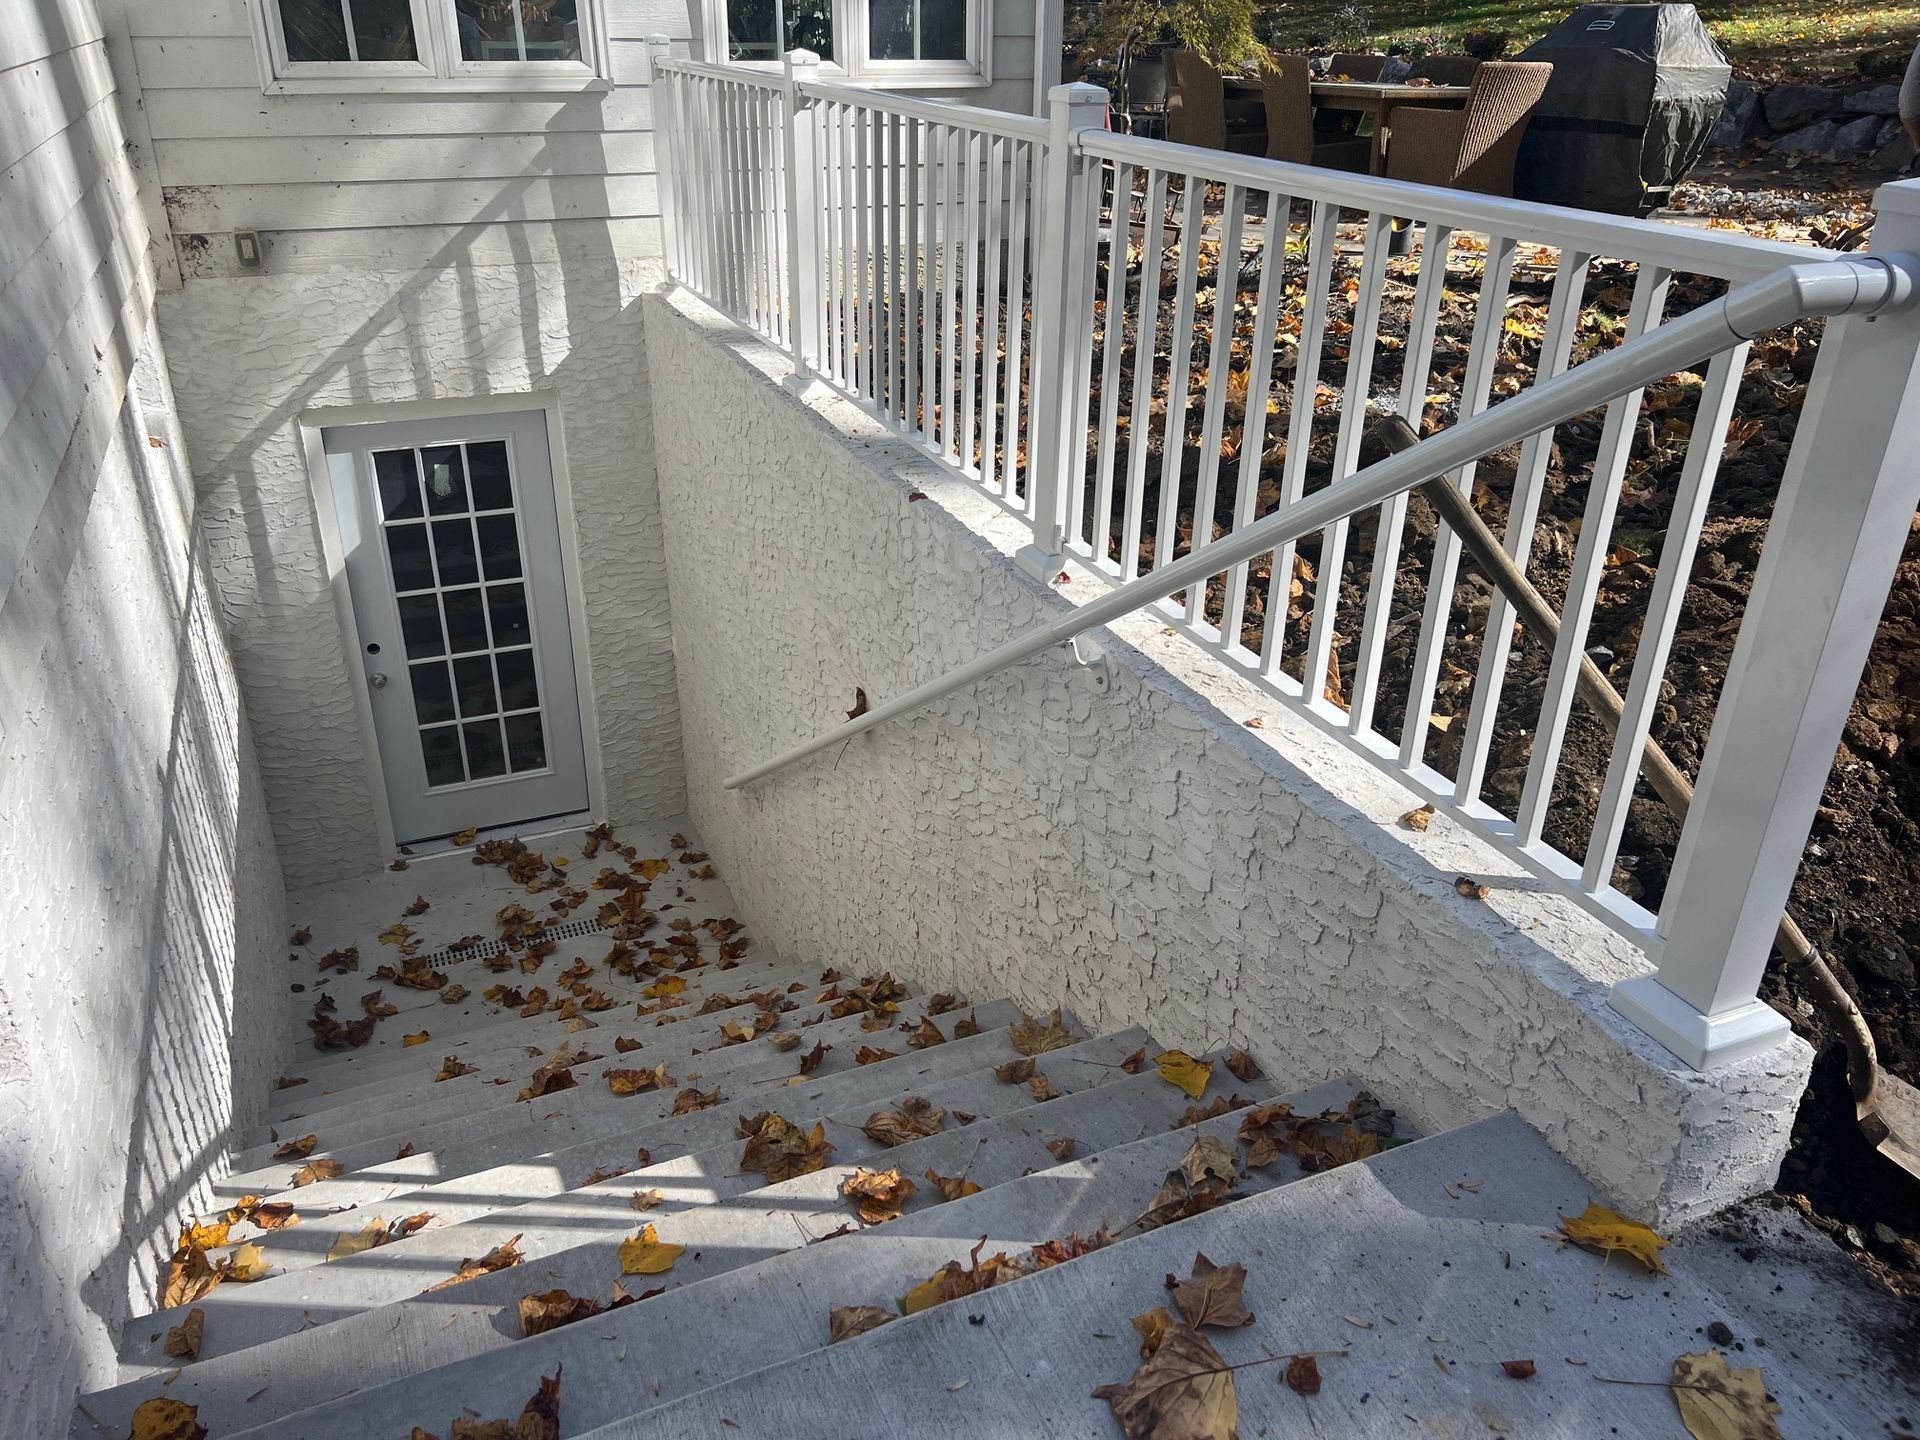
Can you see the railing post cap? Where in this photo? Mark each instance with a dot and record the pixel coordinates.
(1078, 93)
(1898, 197)
(802, 60)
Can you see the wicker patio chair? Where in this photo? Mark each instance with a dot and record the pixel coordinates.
(1356, 67)
(1287, 88)
(1473, 148)
(1197, 108)
(1446, 69)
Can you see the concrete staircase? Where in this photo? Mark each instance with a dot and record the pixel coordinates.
(1411, 1271)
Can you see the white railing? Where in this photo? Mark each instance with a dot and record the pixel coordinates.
(1158, 428)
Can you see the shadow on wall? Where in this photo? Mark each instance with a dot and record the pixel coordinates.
(137, 991)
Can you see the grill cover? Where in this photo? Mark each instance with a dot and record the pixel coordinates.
(1635, 92)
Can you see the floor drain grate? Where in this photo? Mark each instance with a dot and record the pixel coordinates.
(487, 949)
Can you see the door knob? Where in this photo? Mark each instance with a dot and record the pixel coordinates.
(377, 680)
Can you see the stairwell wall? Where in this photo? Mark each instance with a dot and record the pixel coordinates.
(1141, 856)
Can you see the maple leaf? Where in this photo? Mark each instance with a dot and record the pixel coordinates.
(553, 1076)
(878, 1195)
(626, 1046)
(1180, 1069)
(781, 1150)
(646, 1199)
(647, 1254)
(210, 1236)
(926, 1035)
(372, 1004)
(188, 1276)
(1242, 1066)
(183, 1340)
(1036, 1037)
(452, 1067)
(914, 1119)
(1211, 1295)
(245, 1265)
(297, 1149)
(418, 907)
(503, 1256)
(1183, 1389)
(633, 1082)
(1717, 1402)
(810, 1061)
(1043, 1089)
(163, 1419)
(1201, 1182)
(953, 1280)
(967, 1028)
(1014, 1072)
(551, 1309)
(847, 1321)
(952, 1187)
(867, 1055)
(1598, 1228)
(690, 1100)
(1152, 1326)
(314, 1171)
(370, 1236)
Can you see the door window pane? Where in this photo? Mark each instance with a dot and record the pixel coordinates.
(519, 29)
(519, 690)
(446, 480)
(432, 693)
(407, 552)
(466, 623)
(508, 606)
(487, 474)
(499, 546)
(526, 742)
(918, 29)
(453, 549)
(485, 757)
(399, 474)
(767, 29)
(474, 680)
(440, 749)
(420, 627)
(318, 30)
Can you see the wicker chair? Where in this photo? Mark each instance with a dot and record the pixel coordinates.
(1473, 148)
(1446, 69)
(1197, 108)
(1287, 87)
(1356, 67)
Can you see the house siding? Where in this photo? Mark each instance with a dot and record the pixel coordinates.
(140, 1011)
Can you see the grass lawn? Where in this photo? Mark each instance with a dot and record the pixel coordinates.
(1760, 36)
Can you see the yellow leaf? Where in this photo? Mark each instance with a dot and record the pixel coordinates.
(249, 1262)
(210, 1236)
(419, 1039)
(647, 1254)
(374, 1233)
(1598, 1228)
(666, 985)
(925, 1295)
(1718, 1402)
(1181, 1069)
(160, 1419)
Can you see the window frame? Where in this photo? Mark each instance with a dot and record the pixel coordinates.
(440, 68)
(852, 37)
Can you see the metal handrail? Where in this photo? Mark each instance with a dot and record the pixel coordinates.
(1853, 285)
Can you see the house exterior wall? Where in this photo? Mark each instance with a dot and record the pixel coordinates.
(140, 998)
(1141, 856)
(251, 357)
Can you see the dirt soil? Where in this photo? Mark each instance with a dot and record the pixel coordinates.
(1858, 894)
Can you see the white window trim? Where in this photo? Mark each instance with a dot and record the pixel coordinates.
(851, 30)
(440, 68)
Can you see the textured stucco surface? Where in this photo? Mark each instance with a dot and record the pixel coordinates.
(249, 356)
(141, 1000)
(1140, 855)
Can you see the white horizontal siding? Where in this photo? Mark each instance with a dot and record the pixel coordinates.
(364, 158)
(39, 100)
(193, 210)
(626, 19)
(36, 29)
(247, 114)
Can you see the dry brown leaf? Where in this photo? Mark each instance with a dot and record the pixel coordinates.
(1134, 1063)
(1063, 1148)
(553, 1308)
(925, 1035)
(1036, 1037)
(1184, 1389)
(914, 1119)
(786, 1040)
(1303, 1375)
(646, 1199)
(297, 1149)
(183, 1340)
(314, 1171)
(245, 1265)
(1418, 819)
(1014, 1072)
(781, 1150)
(868, 1055)
(188, 1276)
(952, 1187)
(878, 1195)
(1242, 1066)
(1211, 1295)
(690, 1100)
(633, 1082)
(967, 1028)
(1043, 1089)
(1470, 889)
(1518, 1369)
(370, 1236)
(1717, 1402)
(1152, 1327)
(503, 1256)
(625, 1046)
(810, 1061)
(647, 1254)
(452, 1067)
(164, 1419)
(850, 1320)
(1598, 1228)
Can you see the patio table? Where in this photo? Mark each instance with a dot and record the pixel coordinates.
(1368, 98)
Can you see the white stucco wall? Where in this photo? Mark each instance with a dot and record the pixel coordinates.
(1141, 856)
(141, 987)
(250, 356)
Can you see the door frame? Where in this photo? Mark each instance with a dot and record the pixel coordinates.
(309, 425)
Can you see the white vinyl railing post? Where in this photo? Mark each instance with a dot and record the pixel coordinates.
(1062, 295)
(660, 47)
(802, 198)
(1845, 507)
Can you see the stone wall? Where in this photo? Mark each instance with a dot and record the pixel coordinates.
(1141, 856)
(1857, 122)
(250, 356)
(141, 1000)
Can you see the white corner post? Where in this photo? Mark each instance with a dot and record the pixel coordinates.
(1068, 205)
(1846, 504)
(666, 157)
(802, 232)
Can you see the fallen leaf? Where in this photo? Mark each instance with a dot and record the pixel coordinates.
(162, 1419)
(633, 1082)
(1043, 1089)
(1063, 1148)
(465, 837)
(245, 1265)
(302, 935)
(1518, 1369)
(418, 1038)
(810, 1061)
(867, 1055)
(275, 1215)
(1242, 1066)
(1014, 1072)
(878, 1195)
(966, 1027)
(183, 1340)
(781, 1150)
(926, 1035)
(1717, 1402)
(553, 1308)
(370, 1236)
(786, 1040)
(850, 1320)
(1418, 819)
(1470, 889)
(1184, 1390)
(1036, 1037)
(503, 1256)
(690, 1100)
(452, 1067)
(952, 1187)
(1181, 1069)
(188, 1276)
(914, 1119)
(1211, 1295)
(1133, 1063)
(647, 1254)
(1152, 1327)
(297, 1149)
(315, 1171)
(1203, 1179)
(1598, 1228)
(646, 1199)
(1303, 1375)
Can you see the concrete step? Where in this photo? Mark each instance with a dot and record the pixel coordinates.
(523, 1174)
(416, 1109)
(476, 1023)
(729, 1244)
(1413, 1289)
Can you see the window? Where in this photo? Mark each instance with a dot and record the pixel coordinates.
(914, 42)
(451, 45)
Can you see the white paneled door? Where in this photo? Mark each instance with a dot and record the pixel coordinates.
(454, 562)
